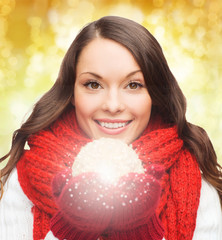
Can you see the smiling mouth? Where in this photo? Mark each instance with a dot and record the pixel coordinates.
(115, 125)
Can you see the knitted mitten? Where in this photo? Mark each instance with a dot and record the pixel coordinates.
(135, 202)
(152, 230)
(136, 198)
(84, 202)
(63, 229)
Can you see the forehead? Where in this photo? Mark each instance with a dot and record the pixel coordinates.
(103, 54)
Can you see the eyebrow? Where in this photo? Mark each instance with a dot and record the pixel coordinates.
(99, 77)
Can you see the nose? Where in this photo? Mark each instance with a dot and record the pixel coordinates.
(113, 102)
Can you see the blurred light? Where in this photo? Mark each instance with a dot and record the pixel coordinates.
(67, 19)
(1, 79)
(73, 3)
(127, 11)
(64, 38)
(3, 26)
(212, 18)
(34, 38)
(35, 63)
(2, 63)
(10, 78)
(200, 32)
(198, 3)
(159, 33)
(199, 50)
(192, 19)
(13, 61)
(85, 7)
(5, 52)
(176, 16)
(155, 17)
(34, 21)
(183, 69)
(53, 16)
(29, 82)
(18, 108)
(30, 50)
(185, 42)
(158, 3)
(5, 10)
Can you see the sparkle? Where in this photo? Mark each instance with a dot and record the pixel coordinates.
(110, 158)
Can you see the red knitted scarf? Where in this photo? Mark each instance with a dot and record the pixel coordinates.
(54, 149)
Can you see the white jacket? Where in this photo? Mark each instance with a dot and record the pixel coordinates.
(16, 219)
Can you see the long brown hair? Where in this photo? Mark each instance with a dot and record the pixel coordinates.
(167, 97)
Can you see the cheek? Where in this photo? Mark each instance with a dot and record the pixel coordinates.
(82, 106)
(85, 105)
(141, 106)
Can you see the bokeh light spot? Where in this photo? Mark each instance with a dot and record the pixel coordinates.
(34, 36)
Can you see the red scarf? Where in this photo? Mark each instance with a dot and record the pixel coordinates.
(54, 149)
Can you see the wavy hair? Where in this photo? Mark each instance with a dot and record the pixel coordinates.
(167, 97)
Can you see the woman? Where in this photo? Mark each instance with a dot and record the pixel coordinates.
(114, 82)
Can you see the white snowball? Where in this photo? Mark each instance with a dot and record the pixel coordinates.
(111, 158)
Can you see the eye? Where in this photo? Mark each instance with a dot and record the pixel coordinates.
(134, 85)
(92, 85)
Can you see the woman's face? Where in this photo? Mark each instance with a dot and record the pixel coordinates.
(110, 95)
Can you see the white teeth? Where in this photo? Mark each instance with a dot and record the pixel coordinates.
(112, 125)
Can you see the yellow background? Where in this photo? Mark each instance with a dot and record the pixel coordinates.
(35, 34)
